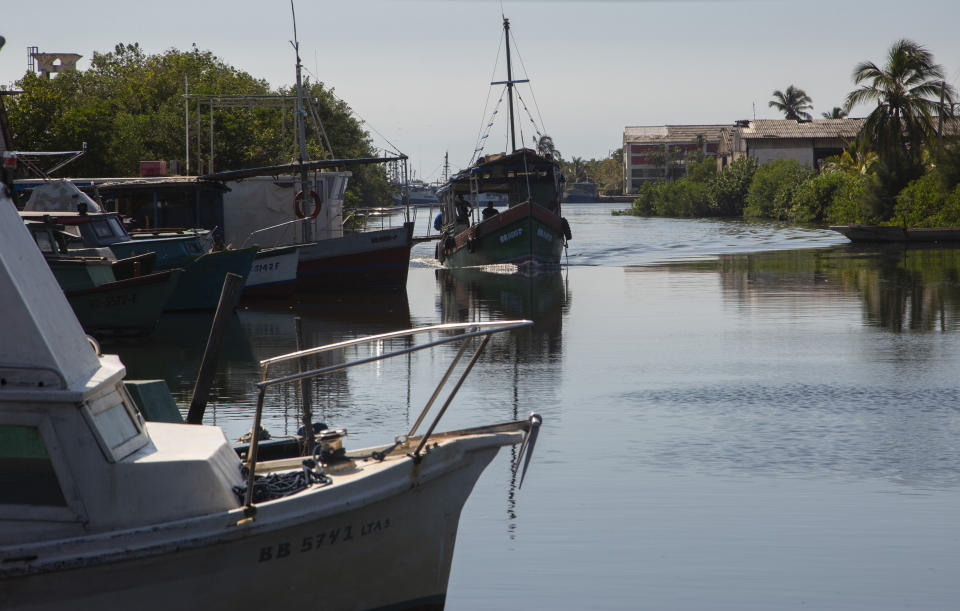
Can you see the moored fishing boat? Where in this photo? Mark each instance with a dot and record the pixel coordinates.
(530, 231)
(103, 233)
(102, 510)
(890, 233)
(109, 297)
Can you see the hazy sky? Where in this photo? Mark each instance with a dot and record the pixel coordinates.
(418, 70)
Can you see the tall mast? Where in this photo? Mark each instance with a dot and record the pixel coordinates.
(301, 130)
(506, 34)
(509, 83)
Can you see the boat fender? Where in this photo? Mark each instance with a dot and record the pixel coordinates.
(449, 243)
(565, 226)
(299, 210)
(473, 244)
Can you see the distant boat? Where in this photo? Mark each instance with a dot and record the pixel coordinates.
(529, 231)
(416, 193)
(885, 233)
(581, 193)
(101, 509)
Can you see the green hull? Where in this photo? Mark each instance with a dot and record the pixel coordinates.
(202, 281)
(522, 235)
(124, 307)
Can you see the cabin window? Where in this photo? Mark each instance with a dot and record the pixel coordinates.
(45, 242)
(102, 229)
(26, 472)
(116, 227)
(115, 425)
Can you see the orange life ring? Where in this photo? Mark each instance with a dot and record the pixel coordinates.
(299, 211)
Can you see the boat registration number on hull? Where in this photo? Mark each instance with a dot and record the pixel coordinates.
(326, 538)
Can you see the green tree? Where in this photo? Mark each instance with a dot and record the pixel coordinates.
(730, 187)
(545, 146)
(129, 107)
(906, 92)
(771, 191)
(793, 103)
(836, 113)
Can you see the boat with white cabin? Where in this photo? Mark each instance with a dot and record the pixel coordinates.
(100, 509)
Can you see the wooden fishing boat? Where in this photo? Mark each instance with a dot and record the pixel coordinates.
(885, 233)
(109, 297)
(530, 231)
(204, 269)
(100, 509)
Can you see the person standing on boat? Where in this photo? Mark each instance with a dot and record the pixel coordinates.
(489, 211)
(463, 210)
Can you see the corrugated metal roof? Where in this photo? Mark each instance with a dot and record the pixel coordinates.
(790, 128)
(672, 133)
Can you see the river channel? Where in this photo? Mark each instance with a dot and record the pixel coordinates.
(736, 415)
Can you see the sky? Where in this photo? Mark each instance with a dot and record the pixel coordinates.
(418, 71)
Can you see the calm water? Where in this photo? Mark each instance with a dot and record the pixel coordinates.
(736, 416)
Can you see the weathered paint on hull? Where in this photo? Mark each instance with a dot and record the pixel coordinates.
(125, 307)
(392, 550)
(201, 283)
(371, 260)
(521, 235)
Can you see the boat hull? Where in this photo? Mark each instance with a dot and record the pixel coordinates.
(125, 307)
(526, 234)
(370, 260)
(883, 233)
(386, 540)
(273, 274)
(201, 283)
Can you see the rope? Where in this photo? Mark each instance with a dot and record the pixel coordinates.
(493, 116)
(532, 120)
(516, 48)
(278, 485)
(486, 104)
(354, 112)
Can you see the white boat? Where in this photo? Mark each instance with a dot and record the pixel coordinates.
(102, 510)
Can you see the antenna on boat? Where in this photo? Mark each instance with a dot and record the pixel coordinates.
(509, 83)
(301, 128)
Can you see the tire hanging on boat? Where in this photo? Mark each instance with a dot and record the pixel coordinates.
(565, 226)
(317, 203)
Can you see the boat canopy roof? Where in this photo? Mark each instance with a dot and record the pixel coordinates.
(59, 196)
(496, 171)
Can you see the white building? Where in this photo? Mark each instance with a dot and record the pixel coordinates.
(809, 142)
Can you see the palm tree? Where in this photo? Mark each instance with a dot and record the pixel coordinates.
(836, 113)
(906, 91)
(546, 147)
(793, 103)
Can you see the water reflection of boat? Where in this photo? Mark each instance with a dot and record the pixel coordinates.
(485, 294)
(94, 496)
(175, 349)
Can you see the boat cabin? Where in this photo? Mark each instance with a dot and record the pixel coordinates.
(90, 233)
(519, 177)
(76, 457)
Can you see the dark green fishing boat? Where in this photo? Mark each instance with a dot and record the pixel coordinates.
(109, 297)
(530, 230)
